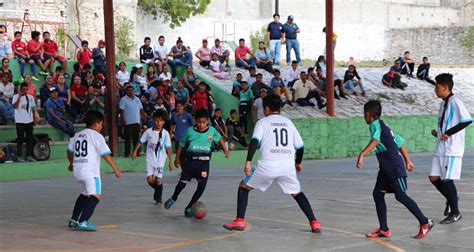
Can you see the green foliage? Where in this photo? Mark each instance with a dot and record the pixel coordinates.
(257, 36)
(123, 38)
(174, 12)
(467, 40)
(61, 33)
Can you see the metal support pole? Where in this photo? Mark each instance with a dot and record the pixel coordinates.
(329, 59)
(111, 109)
(277, 6)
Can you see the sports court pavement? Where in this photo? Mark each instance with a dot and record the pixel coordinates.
(34, 214)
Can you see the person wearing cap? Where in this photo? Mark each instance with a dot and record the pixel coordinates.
(221, 51)
(276, 38)
(204, 54)
(99, 57)
(139, 78)
(54, 113)
(241, 59)
(96, 100)
(291, 30)
(146, 52)
(25, 110)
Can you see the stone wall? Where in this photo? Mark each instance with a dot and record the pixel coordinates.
(439, 44)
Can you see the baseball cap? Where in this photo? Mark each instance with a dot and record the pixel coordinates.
(139, 65)
(101, 41)
(290, 17)
(263, 90)
(52, 89)
(391, 74)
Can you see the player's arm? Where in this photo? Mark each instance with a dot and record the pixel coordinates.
(110, 161)
(409, 164)
(455, 129)
(177, 159)
(135, 150)
(222, 144)
(70, 157)
(369, 148)
(253, 146)
(299, 159)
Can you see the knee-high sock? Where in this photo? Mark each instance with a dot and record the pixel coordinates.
(89, 210)
(177, 190)
(22, 70)
(305, 206)
(441, 187)
(452, 196)
(409, 203)
(79, 206)
(198, 193)
(158, 192)
(381, 208)
(242, 201)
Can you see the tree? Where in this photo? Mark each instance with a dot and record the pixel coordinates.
(467, 40)
(174, 12)
(257, 36)
(123, 37)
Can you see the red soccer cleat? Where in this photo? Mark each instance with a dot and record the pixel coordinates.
(237, 224)
(315, 226)
(424, 229)
(379, 233)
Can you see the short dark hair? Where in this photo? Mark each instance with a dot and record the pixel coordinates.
(202, 113)
(87, 66)
(84, 42)
(324, 29)
(310, 69)
(147, 38)
(258, 75)
(276, 15)
(232, 111)
(240, 40)
(273, 102)
(445, 79)
(252, 68)
(46, 32)
(35, 34)
(217, 109)
(179, 102)
(161, 114)
(58, 68)
(425, 58)
(294, 62)
(406, 52)
(161, 37)
(238, 74)
(24, 84)
(275, 71)
(93, 117)
(17, 32)
(374, 108)
(147, 96)
(76, 66)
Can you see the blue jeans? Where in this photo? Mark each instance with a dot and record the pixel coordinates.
(275, 47)
(68, 128)
(295, 45)
(6, 109)
(186, 60)
(351, 84)
(240, 63)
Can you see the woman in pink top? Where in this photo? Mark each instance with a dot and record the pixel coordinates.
(204, 54)
(31, 87)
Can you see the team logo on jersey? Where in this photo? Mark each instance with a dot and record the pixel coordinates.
(209, 138)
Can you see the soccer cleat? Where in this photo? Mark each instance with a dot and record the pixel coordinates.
(315, 226)
(451, 219)
(237, 224)
(447, 210)
(34, 78)
(424, 229)
(169, 203)
(158, 202)
(44, 73)
(66, 75)
(188, 212)
(379, 233)
(72, 223)
(85, 226)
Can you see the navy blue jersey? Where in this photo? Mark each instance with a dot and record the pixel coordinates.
(387, 150)
(275, 29)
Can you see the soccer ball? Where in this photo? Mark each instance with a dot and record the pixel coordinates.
(199, 210)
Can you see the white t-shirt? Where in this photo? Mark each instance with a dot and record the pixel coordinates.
(154, 157)
(215, 66)
(164, 76)
(291, 74)
(455, 113)
(302, 90)
(258, 103)
(7, 90)
(87, 146)
(142, 80)
(163, 50)
(278, 138)
(123, 77)
(24, 112)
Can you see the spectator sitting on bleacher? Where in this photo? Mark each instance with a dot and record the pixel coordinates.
(165, 75)
(219, 124)
(189, 79)
(263, 56)
(6, 66)
(150, 75)
(36, 52)
(146, 53)
(84, 55)
(221, 51)
(252, 76)
(25, 118)
(122, 74)
(6, 93)
(78, 99)
(245, 105)
(182, 56)
(204, 54)
(321, 82)
(44, 90)
(391, 79)
(160, 53)
(5, 43)
(258, 85)
(407, 64)
(51, 51)
(63, 92)
(304, 91)
(21, 54)
(241, 56)
(139, 78)
(54, 113)
(96, 100)
(77, 71)
(217, 68)
(99, 57)
(58, 71)
(321, 63)
(279, 86)
(292, 74)
(423, 72)
(235, 131)
(236, 85)
(182, 95)
(350, 82)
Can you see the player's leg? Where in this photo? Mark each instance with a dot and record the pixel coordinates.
(93, 192)
(186, 176)
(438, 171)
(453, 172)
(203, 174)
(79, 206)
(381, 208)
(158, 190)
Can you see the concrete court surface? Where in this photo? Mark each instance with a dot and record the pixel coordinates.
(34, 214)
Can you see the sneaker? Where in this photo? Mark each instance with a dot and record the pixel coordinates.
(188, 212)
(169, 203)
(447, 209)
(315, 226)
(451, 219)
(30, 159)
(289, 102)
(72, 223)
(322, 106)
(20, 160)
(34, 78)
(85, 226)
(44, 73)
(355, 93)
(424, 229)
(379, 233)
(237, 224)
(158, 202)
(66, 76)
(311, 104)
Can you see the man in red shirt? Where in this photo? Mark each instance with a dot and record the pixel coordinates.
(84, 55)
(51, 51)
(35, 51)
(241, 56)
(200, 99)
(22, 55)
(78, 98)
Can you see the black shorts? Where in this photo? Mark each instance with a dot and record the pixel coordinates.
(194, 165)
(36, 58)
(390, 183)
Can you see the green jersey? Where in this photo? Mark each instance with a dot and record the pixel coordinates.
(199, 141)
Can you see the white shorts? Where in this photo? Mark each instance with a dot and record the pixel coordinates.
(289, 183)
(147, 61)
(90, 186)
(154, 171)
(446, 167)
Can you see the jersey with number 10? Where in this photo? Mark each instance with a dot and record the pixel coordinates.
(278, 139)
(87, 147)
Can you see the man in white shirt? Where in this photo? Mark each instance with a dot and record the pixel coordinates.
(258, 106)
(292, 74)
(160, 52)
(6, 93)
(25, 110)
(221, 51)
(304, 90)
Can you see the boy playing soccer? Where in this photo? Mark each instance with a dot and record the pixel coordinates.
(446, 166)
(196, 145)
(158, 147)
(278, 139)
(84, 152)
(392, 177)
